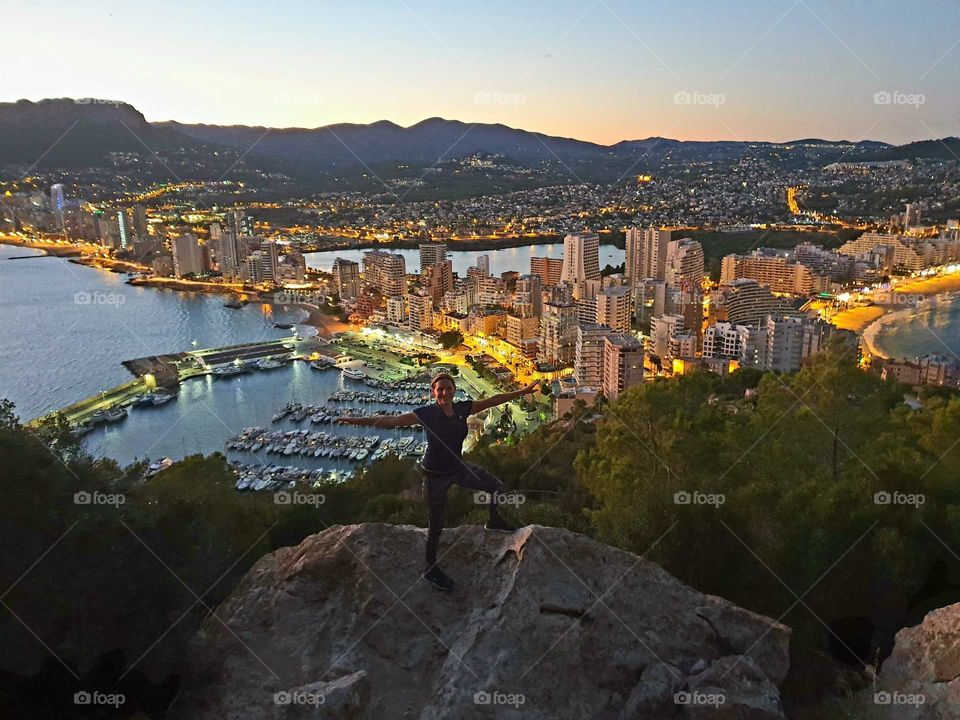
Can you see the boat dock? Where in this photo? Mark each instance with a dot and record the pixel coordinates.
(166, 372)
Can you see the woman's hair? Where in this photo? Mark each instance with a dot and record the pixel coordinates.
(442, 376)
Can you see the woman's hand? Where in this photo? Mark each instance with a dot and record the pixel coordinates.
(532, 387)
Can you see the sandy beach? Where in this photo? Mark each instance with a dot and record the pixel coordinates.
(870, 320)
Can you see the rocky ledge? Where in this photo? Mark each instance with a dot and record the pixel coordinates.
(544, 624)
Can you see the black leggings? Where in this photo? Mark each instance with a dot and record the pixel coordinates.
(435, 489)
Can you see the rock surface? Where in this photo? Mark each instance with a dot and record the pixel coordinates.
(921, 678)
(543, 624)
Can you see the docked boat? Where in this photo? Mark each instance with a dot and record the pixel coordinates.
(229, 370)
(322, 364)
(235, 304)
(161, 398)
(158, 466)
(115, 414)
(268, 364)
(354, 374)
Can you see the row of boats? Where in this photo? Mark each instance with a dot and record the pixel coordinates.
(387, 397)
(319, 444)
(259, 478)
(239, 368)
(295, 412)
(120, 411)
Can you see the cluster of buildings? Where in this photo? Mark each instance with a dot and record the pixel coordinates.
(659, 316)
(934, 369)
(55, 213)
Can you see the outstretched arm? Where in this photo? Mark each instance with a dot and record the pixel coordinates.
(383, 421)
(500, 399)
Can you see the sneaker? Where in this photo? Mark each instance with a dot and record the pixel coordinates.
(498, 524)
(438, 578)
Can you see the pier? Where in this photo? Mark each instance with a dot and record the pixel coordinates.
(165, 372)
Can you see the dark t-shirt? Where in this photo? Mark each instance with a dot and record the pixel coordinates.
(445, 435)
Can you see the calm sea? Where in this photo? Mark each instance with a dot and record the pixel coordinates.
(934, 327)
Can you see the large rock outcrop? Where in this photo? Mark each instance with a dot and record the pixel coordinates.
(543, 624)
(921, 678)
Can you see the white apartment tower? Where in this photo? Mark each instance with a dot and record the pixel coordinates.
(581, 258)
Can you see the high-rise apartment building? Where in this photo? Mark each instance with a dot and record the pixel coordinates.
(588, 365)
(622, 364)
(346, 276)
(528, 298)
(613, 308)
(550, 270)
(683, 266)
(775, 269)
(581, 258)
(187, 256)
(385, 271)
(646, 255)
(558, 333)
(432, 254)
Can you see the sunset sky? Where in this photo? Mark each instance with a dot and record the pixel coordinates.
(600, 70)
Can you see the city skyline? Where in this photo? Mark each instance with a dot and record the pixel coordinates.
(757, 72)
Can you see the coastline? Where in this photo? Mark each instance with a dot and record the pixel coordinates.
(869, 321)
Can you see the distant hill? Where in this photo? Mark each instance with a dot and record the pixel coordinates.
(427, 142)
(945, 149)
(67, 133)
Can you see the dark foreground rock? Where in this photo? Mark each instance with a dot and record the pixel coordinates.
(921, 678)
(544, 624)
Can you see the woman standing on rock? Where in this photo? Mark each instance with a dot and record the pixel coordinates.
(445, 422)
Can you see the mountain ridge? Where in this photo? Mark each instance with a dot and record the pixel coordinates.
(84, 132)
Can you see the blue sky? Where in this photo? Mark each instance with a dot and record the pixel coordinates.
(601, 70)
